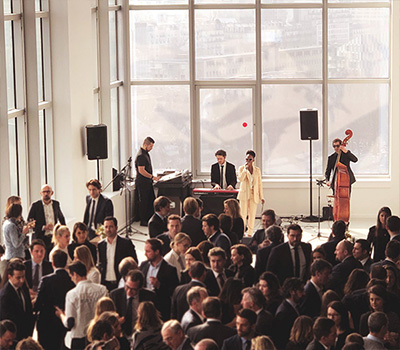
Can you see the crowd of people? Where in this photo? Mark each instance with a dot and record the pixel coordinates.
(202, 286)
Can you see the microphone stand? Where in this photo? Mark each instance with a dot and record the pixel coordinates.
(320, 183)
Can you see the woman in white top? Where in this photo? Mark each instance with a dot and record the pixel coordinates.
(250, 191)
(61, 238)
(176, 257)
(83, 254)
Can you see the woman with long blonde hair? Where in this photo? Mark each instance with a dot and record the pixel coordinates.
(232, 208)
(176, 256)
(83, 254)
(60, 239)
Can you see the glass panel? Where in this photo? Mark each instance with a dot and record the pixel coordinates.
(159, 45)
(112, 2)
(363, 108)
(224, 1)
(354, 1)
(7, 6)
(226, 121)
(290, 1)
(13, 153)
(39, 49)
(115, 127)
(291, 43)
(38, 5)
(43, 146)
(8, 33)
(158, 2)
(113, 46)
(225, 44)
(162, 112)
(284, 153)
(359, 43)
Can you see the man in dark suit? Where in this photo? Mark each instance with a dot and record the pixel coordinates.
(197, 272)
(212, 328)
(217, 275)
(362, 253)
(158, 222)
(127, 299)
(47, 213)
(223, 174)
(345, 158)
(37, 267)
(193, 317)
(245, 325)
(119, 247)
(98, 207)
(174, 337)
(288, 311)
(52, 291)
(8, 333)
(393, 227)
(210, 224)
(254, 300)
(160, 276)
(291, 259)
(341, 272)
(378, 327)
(268, 218)
(191, 225)
(275, 237)
(324, 331)
(173, 228)
(337, 234)
(320, 273)
(15, 301)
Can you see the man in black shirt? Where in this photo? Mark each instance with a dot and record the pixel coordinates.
(144, 181)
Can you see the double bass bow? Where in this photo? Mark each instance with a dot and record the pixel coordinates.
(341, 208)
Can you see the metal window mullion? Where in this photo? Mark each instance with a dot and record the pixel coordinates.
(257, 117)
(194, 116)
(325, 107)
(13, 113)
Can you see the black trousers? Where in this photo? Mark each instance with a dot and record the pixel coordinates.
(145, 199)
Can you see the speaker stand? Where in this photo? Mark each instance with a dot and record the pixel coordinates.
(98, 168)
(311, 217)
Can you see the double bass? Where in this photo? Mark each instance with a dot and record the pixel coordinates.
(341, 208)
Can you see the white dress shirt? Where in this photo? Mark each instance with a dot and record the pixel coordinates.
(49, 216)
(111, 248)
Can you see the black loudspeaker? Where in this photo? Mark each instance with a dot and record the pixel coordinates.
(96, 137)
(309, 124)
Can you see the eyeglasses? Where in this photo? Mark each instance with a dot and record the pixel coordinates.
(249, 159)
(336, 146)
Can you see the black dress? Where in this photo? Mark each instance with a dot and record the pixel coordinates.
(245, 273)
(379, 243)
(238, 227)
(71, 249)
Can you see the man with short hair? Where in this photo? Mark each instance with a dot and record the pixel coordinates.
(288, 310)
(160, 276)
(206, 344)
(342, 271)
(8, 333)
(80, 306)
(320, 273)
(15, 300)
(98, 207)
(212, 328)
(337, 234)
(158, 222)
(144, 192)
(190, 224)
(112, 250)
(173, 335)
(47, 213)
(217, 275)
(253, 299)
(52, 291)
(362, 253)
(324, 330)
(378, 327)
(291, 259)
(223, 173)
(174, 227)
(37, 267)
(393, 227)
(210, 224)
(245, 328)
(268, 218)
(194, 316)
(128, 298)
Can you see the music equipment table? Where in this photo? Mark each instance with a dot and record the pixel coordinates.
(213, 200)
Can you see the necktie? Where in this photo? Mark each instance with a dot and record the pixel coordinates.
(248, 344)
(35, 278)
(297, 262)
(92, 214)
(181, 262)
(222, 177)
(221, 280)
(21, 297)
(128, 318)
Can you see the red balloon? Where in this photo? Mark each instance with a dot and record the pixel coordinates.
(244, 124)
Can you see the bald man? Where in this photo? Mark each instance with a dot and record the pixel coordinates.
(47, 212)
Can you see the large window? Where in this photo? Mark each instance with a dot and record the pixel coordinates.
(234, 74)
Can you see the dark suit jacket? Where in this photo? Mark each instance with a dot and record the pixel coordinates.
(284, 319)
(192, 227)
(311, 305)
(71, 249)
(37, 212)
(315, 345)
(262, 258)
(11, 309)
(221, 240)
(47, 269)
(230, 175)
(190, 319)
(52, 291)
(187, 345)
(281, 264)
(329, 249)
(166, 248)
(345, 159)
(168, 279)
(367, 265)
(264, 323)
(232, 343)
(156, 226)
(212, 284)
(341, 272)
(211, 329)
(258, 238)
(104, 208)
(179, 303)
(124, 248)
